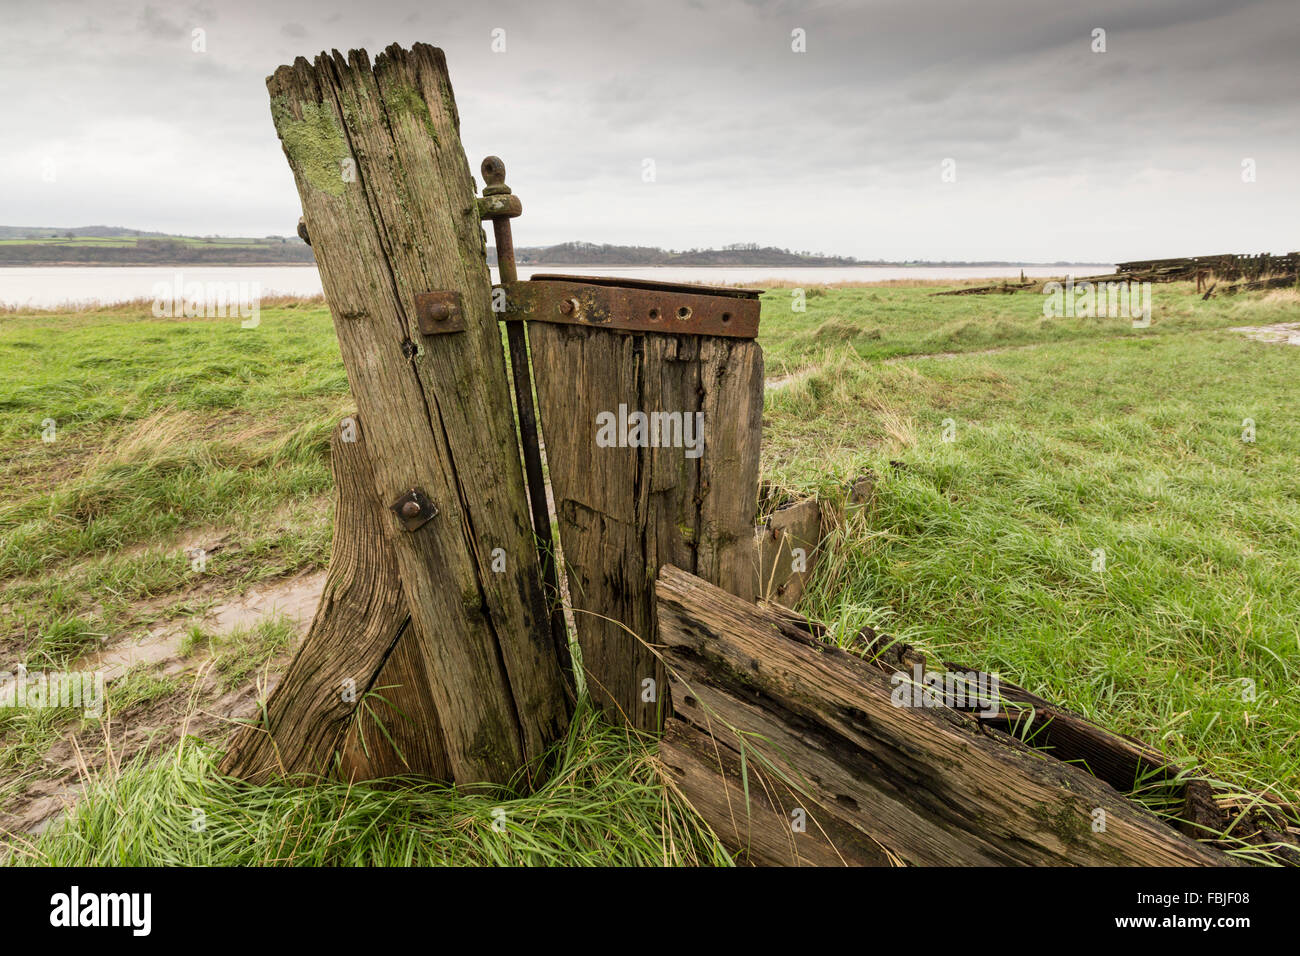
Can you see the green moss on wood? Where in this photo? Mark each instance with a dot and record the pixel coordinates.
(1065, 820)
(407, 100)
(314, 143)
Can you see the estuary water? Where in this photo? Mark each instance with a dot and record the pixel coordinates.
(85, 285)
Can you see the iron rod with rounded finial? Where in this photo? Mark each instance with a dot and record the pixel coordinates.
(494, 184)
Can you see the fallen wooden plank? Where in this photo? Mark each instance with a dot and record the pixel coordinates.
(756, 812)
(1122, 762)
(927, 784)
(1198, 807)
(1004, 287)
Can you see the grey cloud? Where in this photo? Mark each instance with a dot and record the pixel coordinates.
(750, 138)
(86, 26)
(157, 25)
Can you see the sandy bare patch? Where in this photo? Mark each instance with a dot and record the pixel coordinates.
(294, 597)
(1280, 333)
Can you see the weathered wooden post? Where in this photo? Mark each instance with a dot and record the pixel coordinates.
(390, 209)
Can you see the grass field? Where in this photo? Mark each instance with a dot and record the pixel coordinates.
(1067, 502)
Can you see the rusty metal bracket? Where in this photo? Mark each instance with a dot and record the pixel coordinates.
(438, 312)
(414, 509)
(633, 305)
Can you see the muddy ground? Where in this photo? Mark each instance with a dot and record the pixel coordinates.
(203, 703)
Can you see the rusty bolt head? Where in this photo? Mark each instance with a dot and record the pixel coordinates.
(568, 306)
(414, 509)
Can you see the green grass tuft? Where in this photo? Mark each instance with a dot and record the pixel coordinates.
(603, 805)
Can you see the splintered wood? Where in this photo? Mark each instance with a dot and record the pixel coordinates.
(797, 752)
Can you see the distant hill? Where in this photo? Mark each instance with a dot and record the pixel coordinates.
(116, 246)
(48, 232)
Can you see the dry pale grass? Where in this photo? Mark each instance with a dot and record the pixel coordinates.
(149, 439)
(1279, 297)
(900, 428)
(172, 434)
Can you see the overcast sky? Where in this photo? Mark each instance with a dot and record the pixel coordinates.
(110, 116)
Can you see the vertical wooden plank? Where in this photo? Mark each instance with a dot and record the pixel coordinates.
(437, 408)
(624, 511)
(731, 373)
(600, 495)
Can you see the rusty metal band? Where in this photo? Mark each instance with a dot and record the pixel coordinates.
(629, 306)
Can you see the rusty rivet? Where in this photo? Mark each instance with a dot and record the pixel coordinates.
(410, 509)
(568, 305)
